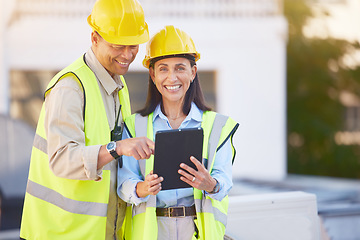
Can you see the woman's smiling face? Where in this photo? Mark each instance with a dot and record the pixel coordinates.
(172, 77)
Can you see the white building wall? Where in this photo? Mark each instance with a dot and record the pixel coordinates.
(248, 55)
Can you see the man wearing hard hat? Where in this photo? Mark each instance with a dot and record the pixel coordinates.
(71, 190)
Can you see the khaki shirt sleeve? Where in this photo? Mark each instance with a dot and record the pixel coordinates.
(64, 126)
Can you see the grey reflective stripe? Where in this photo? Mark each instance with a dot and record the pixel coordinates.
(219, 123)
(205, 205)
(220, 216)
(67, 204)
(40, 143)
(141, 131)
(141, 208)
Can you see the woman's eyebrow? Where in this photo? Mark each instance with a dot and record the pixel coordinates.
(178, 64)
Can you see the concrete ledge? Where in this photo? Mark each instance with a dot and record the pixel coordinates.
(281, 216)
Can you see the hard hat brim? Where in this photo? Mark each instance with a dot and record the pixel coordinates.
(147, 59)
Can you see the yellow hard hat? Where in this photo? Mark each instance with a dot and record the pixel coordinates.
(169, 41)
(120, 22)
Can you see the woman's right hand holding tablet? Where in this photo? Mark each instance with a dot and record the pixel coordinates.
(150, 186)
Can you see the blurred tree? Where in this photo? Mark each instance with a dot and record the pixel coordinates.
(316, 76)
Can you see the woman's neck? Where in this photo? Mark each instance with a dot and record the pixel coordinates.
(174, 113)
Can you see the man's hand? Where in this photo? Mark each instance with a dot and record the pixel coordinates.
(139, 147)
(151, 185)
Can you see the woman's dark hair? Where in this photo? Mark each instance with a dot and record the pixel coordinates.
(193, 94)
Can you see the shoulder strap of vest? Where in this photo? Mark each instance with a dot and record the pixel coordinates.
(218, 124)
(140, 131)
(140, 125)
(79, 82)
(67, 72)
(124, 99)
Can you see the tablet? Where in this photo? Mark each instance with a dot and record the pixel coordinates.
(173, 147)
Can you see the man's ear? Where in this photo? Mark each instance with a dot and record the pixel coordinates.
(94, 38)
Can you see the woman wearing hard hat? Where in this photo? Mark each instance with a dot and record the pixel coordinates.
(175, 100)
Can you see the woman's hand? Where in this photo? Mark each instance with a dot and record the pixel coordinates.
(199, 179)
(151, 185)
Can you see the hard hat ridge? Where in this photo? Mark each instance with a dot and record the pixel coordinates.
(119, 21)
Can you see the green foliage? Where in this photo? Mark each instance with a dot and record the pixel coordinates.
(316, 75)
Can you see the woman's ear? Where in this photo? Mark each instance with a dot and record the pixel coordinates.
(152, 74)
(193, 72)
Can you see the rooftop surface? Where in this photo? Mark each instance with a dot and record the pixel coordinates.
(338, 200)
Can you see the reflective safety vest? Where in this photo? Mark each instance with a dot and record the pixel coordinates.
(58, 208)
(140, 221)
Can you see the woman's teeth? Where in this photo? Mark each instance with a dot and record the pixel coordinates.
(172, 87)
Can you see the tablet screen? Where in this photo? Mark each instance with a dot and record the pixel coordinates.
(173, 147)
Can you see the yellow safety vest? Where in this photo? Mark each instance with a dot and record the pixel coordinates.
(58, 208)
(140, 221)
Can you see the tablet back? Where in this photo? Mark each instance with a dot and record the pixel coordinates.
(173, 147)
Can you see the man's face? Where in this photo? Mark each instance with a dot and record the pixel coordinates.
(114, 58)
